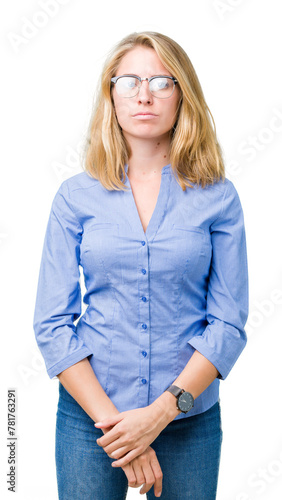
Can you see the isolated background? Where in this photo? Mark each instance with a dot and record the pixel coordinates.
(48, 84)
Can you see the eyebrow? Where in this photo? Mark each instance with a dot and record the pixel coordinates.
(145, 78)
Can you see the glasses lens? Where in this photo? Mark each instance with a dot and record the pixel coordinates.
(127, 86)
(161, 87)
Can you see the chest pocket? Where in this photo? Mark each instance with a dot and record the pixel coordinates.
(99, 252)
(193, 249)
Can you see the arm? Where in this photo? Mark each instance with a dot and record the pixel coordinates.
(58, 305)
(216, 348)
(82, 384)
(137, 429)
(58, 299)
(197, 375)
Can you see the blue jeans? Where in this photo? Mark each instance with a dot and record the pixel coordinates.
(188, 451)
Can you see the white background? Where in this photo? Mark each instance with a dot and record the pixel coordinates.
(50, 74)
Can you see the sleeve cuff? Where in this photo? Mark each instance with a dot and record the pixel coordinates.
(68, 361)
(222, 351)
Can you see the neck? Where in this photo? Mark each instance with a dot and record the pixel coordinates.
(147, 157)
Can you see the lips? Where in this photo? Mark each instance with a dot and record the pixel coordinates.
(145, 114)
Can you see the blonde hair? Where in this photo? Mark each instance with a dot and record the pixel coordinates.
(195, 153)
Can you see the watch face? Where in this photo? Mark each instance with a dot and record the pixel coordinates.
(185, 402)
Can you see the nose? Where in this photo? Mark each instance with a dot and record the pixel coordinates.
(144, 94)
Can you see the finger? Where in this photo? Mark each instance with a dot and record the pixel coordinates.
(108, 438)
(109, 421)
(103, 425)
(128, 457)
(130, 474)
(121, 443)
(114, 446)
(119, 453)
(138, 473)
(158, 475)
(149, 478)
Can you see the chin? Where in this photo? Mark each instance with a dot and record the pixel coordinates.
(148, 133)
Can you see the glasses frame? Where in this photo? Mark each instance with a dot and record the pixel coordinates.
(116, 78)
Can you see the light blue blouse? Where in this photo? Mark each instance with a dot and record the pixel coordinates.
(152, 297)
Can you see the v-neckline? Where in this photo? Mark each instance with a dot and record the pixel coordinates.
(159, 209)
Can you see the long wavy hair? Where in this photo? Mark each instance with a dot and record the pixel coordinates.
(195, 154)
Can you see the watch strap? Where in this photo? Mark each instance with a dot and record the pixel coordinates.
(176, 391)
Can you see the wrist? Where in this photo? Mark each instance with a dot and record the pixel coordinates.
(105, 413)
(165, 407)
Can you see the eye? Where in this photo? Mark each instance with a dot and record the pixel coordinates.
(159, 84)
(129, 83)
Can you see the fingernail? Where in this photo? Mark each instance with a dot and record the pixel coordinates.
(98, 423)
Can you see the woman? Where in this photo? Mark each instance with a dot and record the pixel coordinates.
(159, 234)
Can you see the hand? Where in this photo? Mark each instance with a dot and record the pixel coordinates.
(145, 470)
(132, 432)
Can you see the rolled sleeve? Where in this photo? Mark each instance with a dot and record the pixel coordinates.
(58, 300)
(224, 337)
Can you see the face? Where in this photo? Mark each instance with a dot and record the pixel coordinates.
(145, 116)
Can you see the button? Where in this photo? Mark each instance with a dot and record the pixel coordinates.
(144, 354)
(144, 271)
(144, 381)
(143, 243)
(144, 299)
(144, 326)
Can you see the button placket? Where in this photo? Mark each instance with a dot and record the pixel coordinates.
(144, 318)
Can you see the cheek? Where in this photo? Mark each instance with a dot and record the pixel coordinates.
(122, 109)
(171, 115)
(174, 106)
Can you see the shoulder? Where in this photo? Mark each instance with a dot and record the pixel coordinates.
(220, 188)
(229, 204)
(217, 188)
(222, 192)
(77, 183)
(214, 201)
(211, 194)
(71, 194)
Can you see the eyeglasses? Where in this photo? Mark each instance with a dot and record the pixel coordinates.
(129, 85)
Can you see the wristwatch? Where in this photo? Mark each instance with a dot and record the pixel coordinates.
(184, 400)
